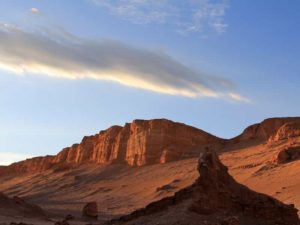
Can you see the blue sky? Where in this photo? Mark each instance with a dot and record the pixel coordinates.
(71, 68)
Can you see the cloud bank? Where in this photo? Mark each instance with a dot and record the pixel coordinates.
(62, 55)
(185, 16)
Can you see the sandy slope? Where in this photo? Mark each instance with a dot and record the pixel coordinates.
(117, 188)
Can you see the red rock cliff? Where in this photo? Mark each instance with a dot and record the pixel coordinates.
(138, 143)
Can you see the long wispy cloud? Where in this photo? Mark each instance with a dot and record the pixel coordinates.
(62, 55)
(184, 16)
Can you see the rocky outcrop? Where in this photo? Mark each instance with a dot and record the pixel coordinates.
(216, 197)
(17, 206)
(217, 190)
(141, 142)
(266, 129)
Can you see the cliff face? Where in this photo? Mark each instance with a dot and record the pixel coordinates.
(141, 142)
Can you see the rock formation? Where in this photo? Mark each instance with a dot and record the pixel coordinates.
(215, 198)
(141, 142)
(217, 190)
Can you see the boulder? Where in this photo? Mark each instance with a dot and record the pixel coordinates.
(90, 211)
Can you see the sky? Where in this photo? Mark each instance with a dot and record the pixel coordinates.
(72, 68)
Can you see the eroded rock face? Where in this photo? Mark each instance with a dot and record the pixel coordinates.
(141, 142)
(215, 194)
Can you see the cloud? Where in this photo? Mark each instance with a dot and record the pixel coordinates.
(34, 10)
(237, 97)
(7, 158)
(140, 12)
(185, 16)
(62, 55)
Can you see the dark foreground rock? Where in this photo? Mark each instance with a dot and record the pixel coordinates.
(214, 199)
